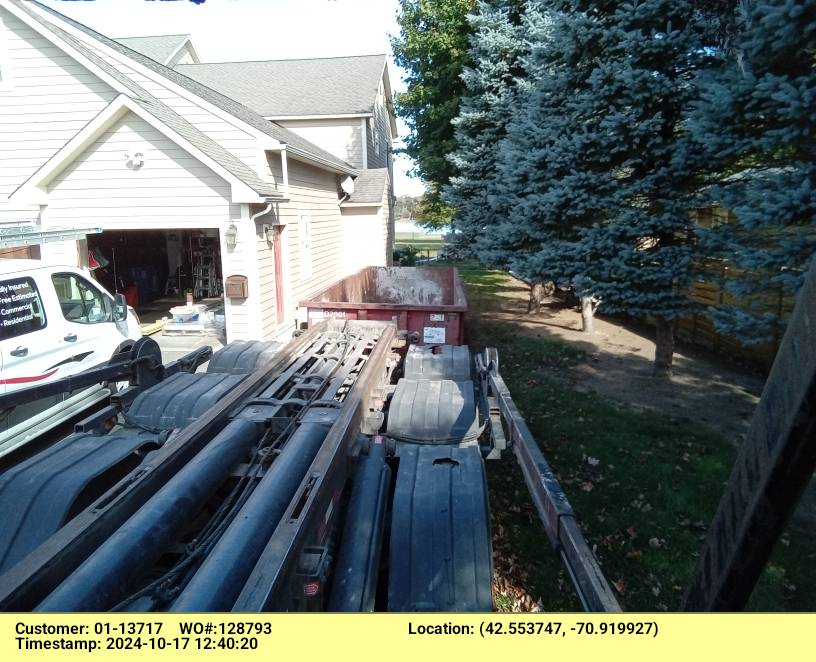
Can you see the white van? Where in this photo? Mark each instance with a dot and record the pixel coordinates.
(54, 322)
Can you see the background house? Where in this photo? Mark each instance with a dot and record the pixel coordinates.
(95, 134)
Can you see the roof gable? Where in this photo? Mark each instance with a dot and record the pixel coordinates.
(299, 147)
(161, 48)
(369, 188)
(35, 189)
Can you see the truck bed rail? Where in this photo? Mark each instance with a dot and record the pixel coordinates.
(553, 508)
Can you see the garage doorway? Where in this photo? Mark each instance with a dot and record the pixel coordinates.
(156, 269)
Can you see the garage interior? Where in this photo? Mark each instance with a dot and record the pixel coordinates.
(156, 269)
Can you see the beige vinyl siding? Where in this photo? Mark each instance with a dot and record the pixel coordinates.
(266, 282)
(171, 189)
(228, 134)
(363, 238)
(51, 98)
(17, 215)
(314, 192)
(341, 137)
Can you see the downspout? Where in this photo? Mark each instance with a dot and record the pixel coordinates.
(263, 212)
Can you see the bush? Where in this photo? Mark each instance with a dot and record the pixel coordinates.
(406, 256)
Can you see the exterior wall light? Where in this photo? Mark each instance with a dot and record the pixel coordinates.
(231, 236)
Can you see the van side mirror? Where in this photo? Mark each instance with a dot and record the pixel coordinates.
(119, 308)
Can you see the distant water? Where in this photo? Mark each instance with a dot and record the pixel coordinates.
(411, 228)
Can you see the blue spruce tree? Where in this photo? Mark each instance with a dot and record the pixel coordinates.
(596, 172)
(490, 90)
(755, 124)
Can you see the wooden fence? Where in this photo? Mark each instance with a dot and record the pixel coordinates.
(699, 329)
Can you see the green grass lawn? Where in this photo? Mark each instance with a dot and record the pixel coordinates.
(644, 486)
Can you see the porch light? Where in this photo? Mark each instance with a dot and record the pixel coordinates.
(231, 236)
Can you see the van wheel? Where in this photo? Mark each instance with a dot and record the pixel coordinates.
(121, 354)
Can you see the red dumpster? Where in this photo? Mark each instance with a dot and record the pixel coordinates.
(427, 302)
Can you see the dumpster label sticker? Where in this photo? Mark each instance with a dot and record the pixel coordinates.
(434, 335)
(437, 317)
(327, 314)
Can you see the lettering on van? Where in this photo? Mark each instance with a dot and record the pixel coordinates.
(20, 308)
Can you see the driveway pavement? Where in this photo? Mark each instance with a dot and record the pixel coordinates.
(174, 346)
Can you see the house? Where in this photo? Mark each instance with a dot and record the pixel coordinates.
(168, 168)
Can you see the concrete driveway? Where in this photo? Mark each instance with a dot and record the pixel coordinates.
(174, 346)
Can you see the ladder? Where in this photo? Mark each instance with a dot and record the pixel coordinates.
(206, 278)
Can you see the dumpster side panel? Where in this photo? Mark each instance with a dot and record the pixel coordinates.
(428, 303)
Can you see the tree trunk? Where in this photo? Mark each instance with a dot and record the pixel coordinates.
(588, 315)
(664, 347)
(536, 294)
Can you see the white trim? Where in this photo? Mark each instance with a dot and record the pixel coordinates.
(35, 189)
(167, 62)
(361, 204)
(285, 172)
(278, 118)
(389, 101)
(364, 134)
(299, 155)
(254, 277)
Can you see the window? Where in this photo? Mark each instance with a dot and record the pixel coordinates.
(21, 309)
(376, 141)
(305, 241)
(80, 301)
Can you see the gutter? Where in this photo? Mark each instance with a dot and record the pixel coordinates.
(312, 158)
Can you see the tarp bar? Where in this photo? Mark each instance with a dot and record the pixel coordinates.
(31, 235)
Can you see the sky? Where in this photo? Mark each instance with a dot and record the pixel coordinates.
(232, 30)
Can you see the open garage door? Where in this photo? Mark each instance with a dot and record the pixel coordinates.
(155, 269)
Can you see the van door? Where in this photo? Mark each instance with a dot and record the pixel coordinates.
(27, 344)
(88, 333)
(4, 413)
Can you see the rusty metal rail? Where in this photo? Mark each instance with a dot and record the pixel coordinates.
(553, 508)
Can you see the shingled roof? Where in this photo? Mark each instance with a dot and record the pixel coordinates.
(369, 187)
(297, 144)
(157, 47)
(293, 88)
